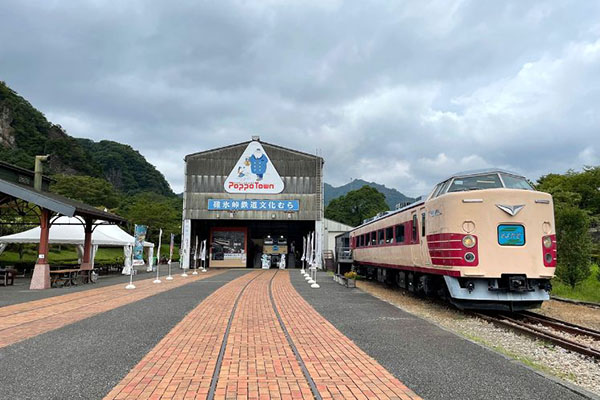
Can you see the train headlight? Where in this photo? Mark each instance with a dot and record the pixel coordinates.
(547, 242)
(469, 241)
(548, 258)
(469, 257)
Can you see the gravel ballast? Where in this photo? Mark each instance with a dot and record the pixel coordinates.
(431, 360)
(573, 367)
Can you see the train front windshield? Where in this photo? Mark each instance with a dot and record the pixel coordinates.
(477, 182)
(489, 181)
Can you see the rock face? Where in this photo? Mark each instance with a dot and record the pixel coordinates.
(7, 137)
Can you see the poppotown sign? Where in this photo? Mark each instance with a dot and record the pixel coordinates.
(254, 173)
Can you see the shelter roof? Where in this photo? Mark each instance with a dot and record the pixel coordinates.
(67, 230)
(55, 202)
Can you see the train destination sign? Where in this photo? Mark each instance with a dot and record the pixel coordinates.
(254, 173)
(253, 205)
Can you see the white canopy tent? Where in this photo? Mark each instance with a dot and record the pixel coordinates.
(69, 230)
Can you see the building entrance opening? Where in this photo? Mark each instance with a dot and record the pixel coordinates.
(243, 244)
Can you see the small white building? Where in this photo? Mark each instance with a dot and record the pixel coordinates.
(330, 230)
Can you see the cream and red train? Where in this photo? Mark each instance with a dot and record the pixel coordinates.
(485, 239)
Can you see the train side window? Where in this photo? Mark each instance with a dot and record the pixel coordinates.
(400, 233)
(415, 222)
(365, 240)
(389, 235)
(381, 239)
(422, 224)
(373, 238)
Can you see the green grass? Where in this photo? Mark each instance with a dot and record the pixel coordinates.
(588, 290)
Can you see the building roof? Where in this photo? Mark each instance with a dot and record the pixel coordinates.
(246, 143)
(334, 226)
(68, 230)
(54, 202)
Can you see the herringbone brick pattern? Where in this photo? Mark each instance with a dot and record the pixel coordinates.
(182, 363)
(25, 320)
(258, 362)
(340, 369)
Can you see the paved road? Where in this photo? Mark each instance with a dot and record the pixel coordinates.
(20, 293)
(435, 363)
(86, 359)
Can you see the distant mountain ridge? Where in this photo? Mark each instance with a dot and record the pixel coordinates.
(392, 196)
(25, 132)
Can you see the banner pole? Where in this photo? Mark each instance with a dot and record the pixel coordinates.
(157, 280)
(131, 285)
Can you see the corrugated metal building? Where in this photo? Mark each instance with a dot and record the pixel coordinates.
(238, 195)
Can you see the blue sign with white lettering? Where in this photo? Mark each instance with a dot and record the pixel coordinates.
(253, 205)
(511, 235)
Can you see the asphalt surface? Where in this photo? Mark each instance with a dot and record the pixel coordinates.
(431, 361)
(20, 293)
(85, 360)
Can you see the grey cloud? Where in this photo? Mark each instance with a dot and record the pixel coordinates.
(397, 92)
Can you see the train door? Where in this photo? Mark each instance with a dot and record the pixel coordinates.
(415, 249)
(423, 238)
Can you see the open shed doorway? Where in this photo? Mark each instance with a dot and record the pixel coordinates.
(240, 243)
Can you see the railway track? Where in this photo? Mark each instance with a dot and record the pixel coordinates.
(529, 323)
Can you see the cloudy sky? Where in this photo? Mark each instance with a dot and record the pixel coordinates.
(399, 92)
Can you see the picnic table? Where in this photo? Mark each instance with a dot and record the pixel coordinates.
(68, 277)
(7, 276)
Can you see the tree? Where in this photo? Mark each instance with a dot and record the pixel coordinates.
(93, 191)
(574, 245)
(576, 205)
(356, 206)
(155, 211)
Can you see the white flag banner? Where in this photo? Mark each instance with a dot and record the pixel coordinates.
(303, 248)
(313, 249)
(203, 250)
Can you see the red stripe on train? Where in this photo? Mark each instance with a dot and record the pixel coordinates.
(409, 268)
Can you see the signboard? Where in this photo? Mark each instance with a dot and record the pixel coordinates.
(253, 205)
(228, 247)
(254, 173)
(138, 246)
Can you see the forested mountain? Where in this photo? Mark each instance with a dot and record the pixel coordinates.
(392, 196)
(25, 132)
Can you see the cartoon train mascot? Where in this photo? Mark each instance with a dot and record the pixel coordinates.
(258, 164)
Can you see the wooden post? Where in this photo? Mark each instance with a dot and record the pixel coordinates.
(41, 272)
(87, 245)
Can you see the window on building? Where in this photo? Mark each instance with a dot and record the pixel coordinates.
(389, 234)
(415, 222)
(400, 233)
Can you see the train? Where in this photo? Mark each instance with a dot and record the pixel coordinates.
(482, 239)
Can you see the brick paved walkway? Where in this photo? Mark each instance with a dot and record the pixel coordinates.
(258, 362)
(25, 320)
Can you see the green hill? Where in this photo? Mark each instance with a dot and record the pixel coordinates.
(25, 132)
(392, 196)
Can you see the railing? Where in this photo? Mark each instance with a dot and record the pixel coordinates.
(344, 254)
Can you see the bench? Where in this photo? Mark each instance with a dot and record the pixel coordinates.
(7, 276)
(66, 276)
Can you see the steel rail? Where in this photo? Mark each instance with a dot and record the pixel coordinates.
(560, 325)
(538, 333)
(311, 382)
(217, 371)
